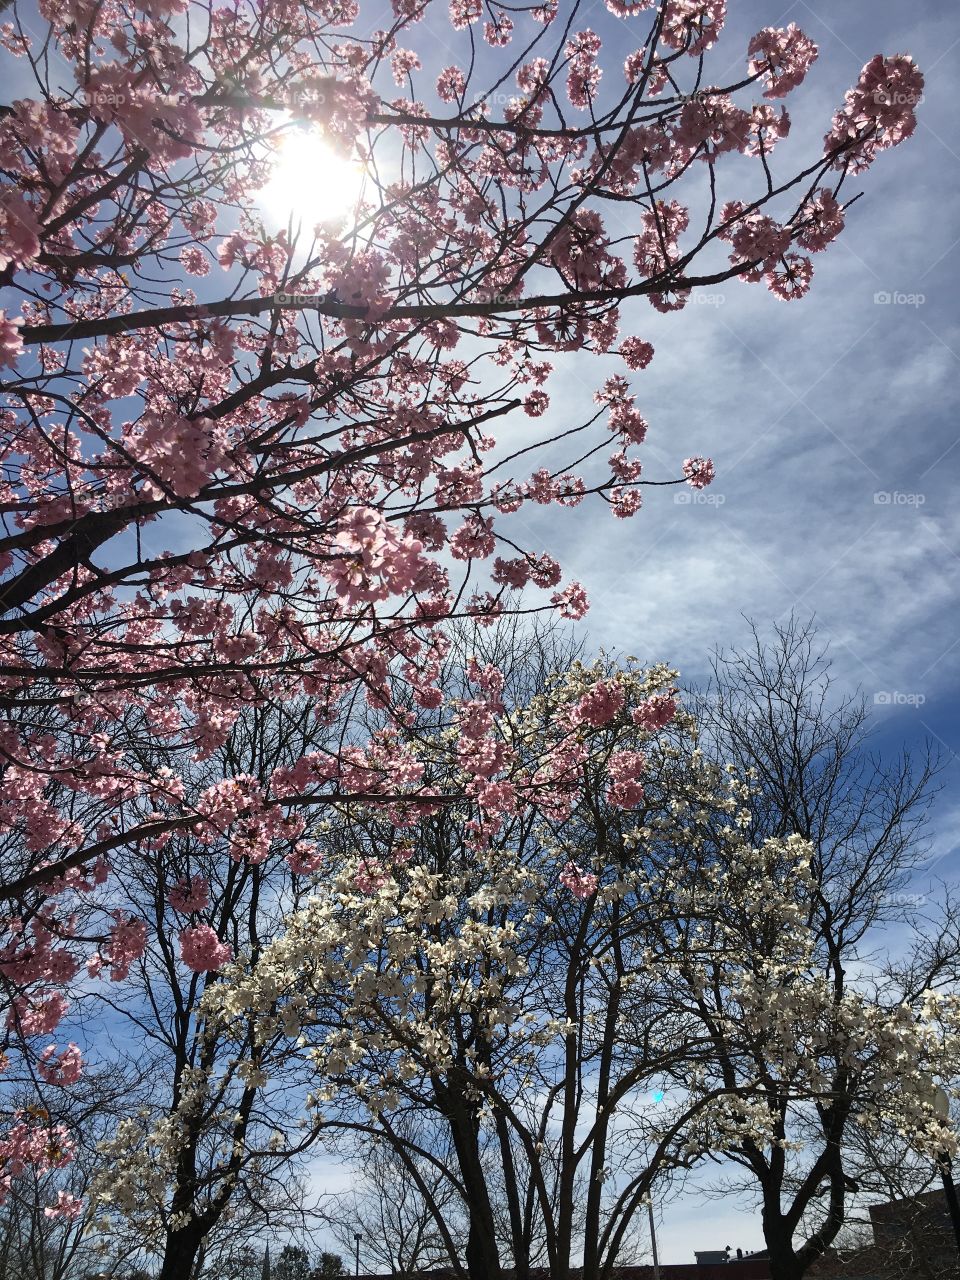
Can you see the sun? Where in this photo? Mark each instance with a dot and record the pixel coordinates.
(311, 182)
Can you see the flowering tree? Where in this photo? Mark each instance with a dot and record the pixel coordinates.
(246, 458)
(190, 1177)
(611, 984)
(772, 709)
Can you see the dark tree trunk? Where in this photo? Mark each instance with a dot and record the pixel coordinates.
(180, 1254)
(481, 1254)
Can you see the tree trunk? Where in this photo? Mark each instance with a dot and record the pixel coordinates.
(481, 1254)
(180, 1254)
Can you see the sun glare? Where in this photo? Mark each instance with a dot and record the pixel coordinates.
(311, 181)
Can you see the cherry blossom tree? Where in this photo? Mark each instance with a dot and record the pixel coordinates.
(247, 456)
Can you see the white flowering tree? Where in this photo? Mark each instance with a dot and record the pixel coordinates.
(609, 983)
(838, 1061)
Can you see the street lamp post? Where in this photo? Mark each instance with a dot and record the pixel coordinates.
(357, 1237)
(653, 1240)
(941, 1105)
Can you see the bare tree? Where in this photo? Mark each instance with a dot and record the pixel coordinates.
(397, 1214)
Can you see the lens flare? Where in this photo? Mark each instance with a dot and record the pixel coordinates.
(311, 182)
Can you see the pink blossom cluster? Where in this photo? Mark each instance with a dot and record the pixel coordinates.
(127, 943)
(625, 770)
(165, 124)
(599, 705)
(370, 876)
(202, 951)
(31, 954)
(582, 884)
(699, 472)
(879, 112)
(572, 602)
(782, 56)
(583, 72)
(19, 242)
(11, 344)
(655, 712)
(63, 1069)
(657, 249)
(371, 561)
(66, 1206)
(190, 893)
(693, 25)
(38, 1014)
(304, 858)
(31, 1143)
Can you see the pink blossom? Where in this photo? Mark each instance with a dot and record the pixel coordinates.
(599, 705)
(304, 858)
(67, 1206)
(536, 404)
(474, 540)
(636, 353)
(202, 951)
(11, 344)
(403, 63)
(582, 884)
(624, 769)
(63, 1070)
(791, 278)
(190, 893)
(451, 83)
(693, 24)
(572, 602)
(625, 503)
(33, 1016)
(370, 876)
(498, 32)
(127, 942)
(879, 112)
(822, 219)
(782, 56)
(698, 471)
(511, 573)
(655, 712)
(19, 243)
(463, 13)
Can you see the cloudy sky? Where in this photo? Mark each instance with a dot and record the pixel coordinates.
(833, 424)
